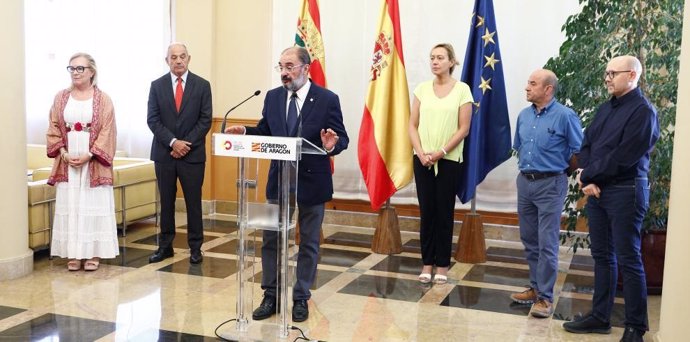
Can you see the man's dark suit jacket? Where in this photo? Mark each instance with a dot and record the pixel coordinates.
(321, 110)
(191, 124)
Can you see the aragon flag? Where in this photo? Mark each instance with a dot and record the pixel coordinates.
(384, 151)
(309, 36)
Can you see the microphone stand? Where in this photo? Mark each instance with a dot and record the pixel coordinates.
(225, 118)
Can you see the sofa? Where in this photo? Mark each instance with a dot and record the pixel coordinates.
(41, 208)
(134, 188)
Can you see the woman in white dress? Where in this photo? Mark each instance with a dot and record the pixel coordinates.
(81, 137)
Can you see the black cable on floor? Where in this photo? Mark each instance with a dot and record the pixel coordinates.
(222, 324)
(303, 337)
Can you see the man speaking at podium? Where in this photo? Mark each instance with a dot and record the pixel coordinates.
(299, 108)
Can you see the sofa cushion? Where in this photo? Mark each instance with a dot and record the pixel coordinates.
(36, 157)
(41, 174)
(41, 204)
(137, 178)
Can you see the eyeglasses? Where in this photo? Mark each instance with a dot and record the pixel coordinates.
(280, 68)
(79, 69)
(612, 73)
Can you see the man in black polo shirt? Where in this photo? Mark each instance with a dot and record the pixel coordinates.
(614, 162)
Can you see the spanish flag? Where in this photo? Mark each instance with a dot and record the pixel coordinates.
(309, 36)
(384, 151)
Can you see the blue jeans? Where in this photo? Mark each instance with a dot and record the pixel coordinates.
(615, 222)
(540, 205)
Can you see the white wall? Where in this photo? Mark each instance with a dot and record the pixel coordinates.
(128, 40)
(529, 34)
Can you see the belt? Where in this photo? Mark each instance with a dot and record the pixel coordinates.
(629, 181)
(539, 175)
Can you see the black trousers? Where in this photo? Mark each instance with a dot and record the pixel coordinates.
(191, 176)
(436, 196)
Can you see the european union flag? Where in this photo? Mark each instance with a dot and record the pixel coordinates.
(487, 145)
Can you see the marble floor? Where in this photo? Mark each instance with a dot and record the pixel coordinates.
(358, 295)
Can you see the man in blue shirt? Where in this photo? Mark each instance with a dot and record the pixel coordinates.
(614, 162)
(547, 136)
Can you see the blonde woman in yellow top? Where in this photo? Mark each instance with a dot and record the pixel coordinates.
(439, 121)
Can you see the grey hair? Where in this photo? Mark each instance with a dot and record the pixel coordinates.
(175, 44)
(302, 54)
(552, 80)
(92, 65)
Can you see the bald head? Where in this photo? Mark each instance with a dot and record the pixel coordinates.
(628, 63)
(541, 87)
(622, 75)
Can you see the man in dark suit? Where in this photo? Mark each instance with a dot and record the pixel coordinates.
(320, 121)
(179, 115)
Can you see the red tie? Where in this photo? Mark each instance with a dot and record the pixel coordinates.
(178, 94)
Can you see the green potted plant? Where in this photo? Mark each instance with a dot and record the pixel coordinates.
(650, 30)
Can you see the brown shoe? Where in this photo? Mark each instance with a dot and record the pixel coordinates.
(528, 296)
(542, 309)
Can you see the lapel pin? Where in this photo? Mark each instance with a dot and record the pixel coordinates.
(311, 99)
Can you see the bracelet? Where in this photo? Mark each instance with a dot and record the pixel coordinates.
(444, 151)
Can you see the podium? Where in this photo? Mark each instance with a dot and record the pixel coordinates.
(276, 215)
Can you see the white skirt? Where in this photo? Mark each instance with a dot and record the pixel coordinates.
(84, 226)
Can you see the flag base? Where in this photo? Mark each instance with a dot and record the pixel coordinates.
(471, 244)
(387, 235)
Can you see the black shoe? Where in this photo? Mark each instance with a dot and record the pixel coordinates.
(196, 257)
(587, 324)
(161, 254)
(632, 335)
(300, 311)
(266, 309)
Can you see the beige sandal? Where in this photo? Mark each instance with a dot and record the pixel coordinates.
(91, 264)
(441, 276)
(74, 265)
(424, 278)
(440, 279)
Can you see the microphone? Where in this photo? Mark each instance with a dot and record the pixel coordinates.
(225, 118)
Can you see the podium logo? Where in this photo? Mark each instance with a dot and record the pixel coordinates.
(270, 148)
(227, 145)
